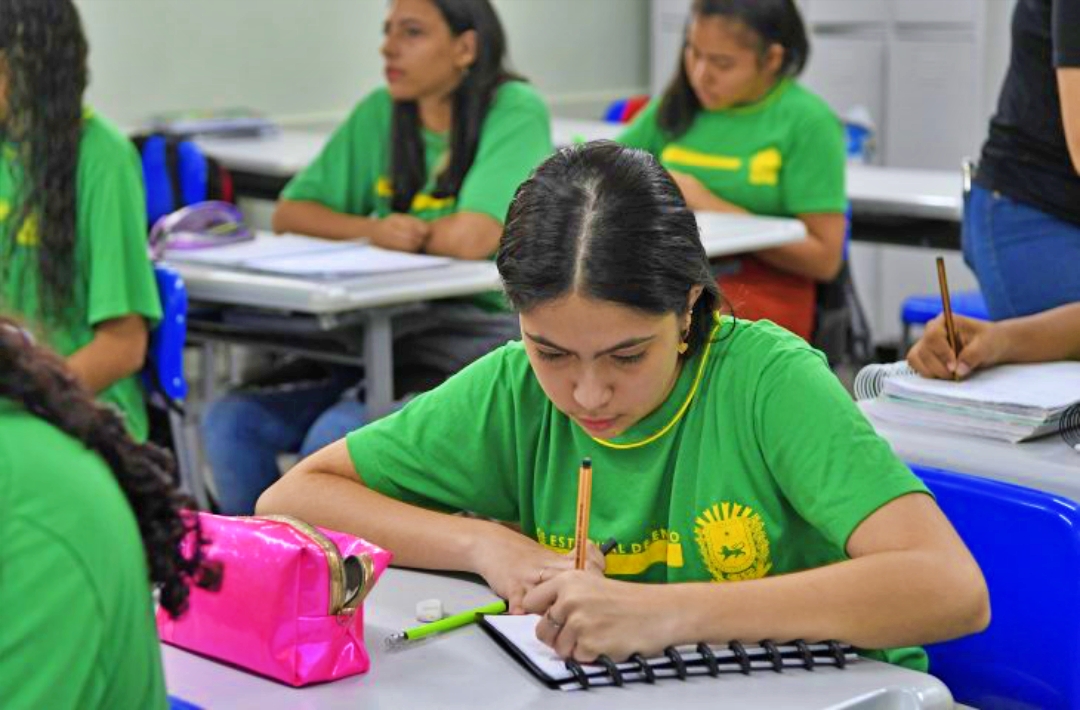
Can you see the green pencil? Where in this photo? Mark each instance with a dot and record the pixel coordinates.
(449, 623)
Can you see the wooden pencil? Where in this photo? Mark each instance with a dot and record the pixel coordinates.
(584, 504)
(946, 305)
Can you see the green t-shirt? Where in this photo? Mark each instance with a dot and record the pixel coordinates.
(781, 156)
(76, 614)
(769, 471)
(114, 277)
(351, 175)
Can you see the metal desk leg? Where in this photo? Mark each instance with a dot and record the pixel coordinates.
(379, 365)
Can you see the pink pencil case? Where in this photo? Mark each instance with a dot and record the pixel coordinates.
(290, 604)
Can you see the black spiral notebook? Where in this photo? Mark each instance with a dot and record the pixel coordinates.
(517, 635)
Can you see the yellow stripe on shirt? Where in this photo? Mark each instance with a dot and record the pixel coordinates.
(694, 159)
(422, 202)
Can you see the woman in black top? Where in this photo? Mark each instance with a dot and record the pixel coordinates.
(1022, 218)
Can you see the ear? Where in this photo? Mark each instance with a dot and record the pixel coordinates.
(773, 58)
(465, 49)
(691, 301)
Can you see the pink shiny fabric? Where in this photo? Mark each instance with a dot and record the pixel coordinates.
(270, 614)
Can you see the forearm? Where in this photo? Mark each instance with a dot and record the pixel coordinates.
(110, 357)
(1069, 90)
(464, 236)
(319, 220)
(1051, 335)
(871, 602)
(418, 537)
(811, 257)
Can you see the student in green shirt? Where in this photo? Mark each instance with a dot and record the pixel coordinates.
(428, 164)
(73, 261)
(749, 496)
(89, 520)
(739, 134)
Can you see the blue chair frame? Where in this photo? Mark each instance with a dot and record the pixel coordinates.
(1027, 543)
(163, 375)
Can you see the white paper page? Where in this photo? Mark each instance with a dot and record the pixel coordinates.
(1048, 386)
(264, 246)
(357, 260)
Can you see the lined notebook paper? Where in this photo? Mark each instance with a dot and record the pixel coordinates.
(1009, 402)
(517, 635)
(296, 255)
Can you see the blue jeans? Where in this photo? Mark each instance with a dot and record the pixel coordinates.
(1026, 261)
(243, 433)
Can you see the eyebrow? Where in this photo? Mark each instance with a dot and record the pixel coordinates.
(628, 343)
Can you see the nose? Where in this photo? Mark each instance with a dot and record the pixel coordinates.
(591, 391)
(386, 49)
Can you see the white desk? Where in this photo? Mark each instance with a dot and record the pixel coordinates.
(466, 669)
(901, 192)
(1047, 464)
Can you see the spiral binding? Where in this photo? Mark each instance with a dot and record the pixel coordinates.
(1069, 426)
(775, 656)
(871, 379)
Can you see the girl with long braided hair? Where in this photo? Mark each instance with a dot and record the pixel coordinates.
(73, 262)
(87, 516)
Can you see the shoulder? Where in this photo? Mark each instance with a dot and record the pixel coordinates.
(755, 351)
(376, 107)
(520, 98)
(804, 107)
(104, 146)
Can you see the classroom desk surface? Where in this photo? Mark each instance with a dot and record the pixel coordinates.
(722, 235)
(902, 192)
(1047, 464)
(466, 669)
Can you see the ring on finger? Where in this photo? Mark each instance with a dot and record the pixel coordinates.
(551, 620)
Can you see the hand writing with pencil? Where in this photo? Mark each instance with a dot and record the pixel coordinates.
(981, 345)
(584, 616)
(512, 564)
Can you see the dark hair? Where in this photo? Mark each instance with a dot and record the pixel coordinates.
(38, 380)
(45, 49)
(772, 21)
(472, 98)
(608, 222)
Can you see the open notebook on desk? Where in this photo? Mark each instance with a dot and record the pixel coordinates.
(307, 257)
(1009, 402)
(517, 635)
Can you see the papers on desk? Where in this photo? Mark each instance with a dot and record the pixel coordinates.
(1009, 402)
(308, 257)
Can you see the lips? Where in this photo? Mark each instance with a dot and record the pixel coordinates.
(393, 74)
(597, 426)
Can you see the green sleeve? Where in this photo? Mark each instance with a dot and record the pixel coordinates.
(812, 181)
(515, 138)
(644, 131)
(825, 456)
(452, 448)
(343, 176)
(112, 216)
(52, 623)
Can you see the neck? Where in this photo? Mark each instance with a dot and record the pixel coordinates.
(762, 90)
(436, 114)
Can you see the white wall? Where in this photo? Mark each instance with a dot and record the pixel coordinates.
(311, 60)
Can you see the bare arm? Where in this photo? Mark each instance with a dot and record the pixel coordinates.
(117, 350)
(819, 256)
(903, 555)
(325, 489)
(1068, 80)
(466, 235)
(1043, 337)
(312, 218)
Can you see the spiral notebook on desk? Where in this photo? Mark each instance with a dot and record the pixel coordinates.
(517, 636)
(1010, 402)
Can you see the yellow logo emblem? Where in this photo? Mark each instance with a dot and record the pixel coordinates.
(733, 543)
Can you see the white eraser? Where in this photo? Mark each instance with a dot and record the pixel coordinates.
(429, 610)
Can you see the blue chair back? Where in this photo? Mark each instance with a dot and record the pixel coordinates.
(164, 370)
(1027, 543)
(921, 309)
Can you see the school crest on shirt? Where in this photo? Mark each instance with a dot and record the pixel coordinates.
(732, 541)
